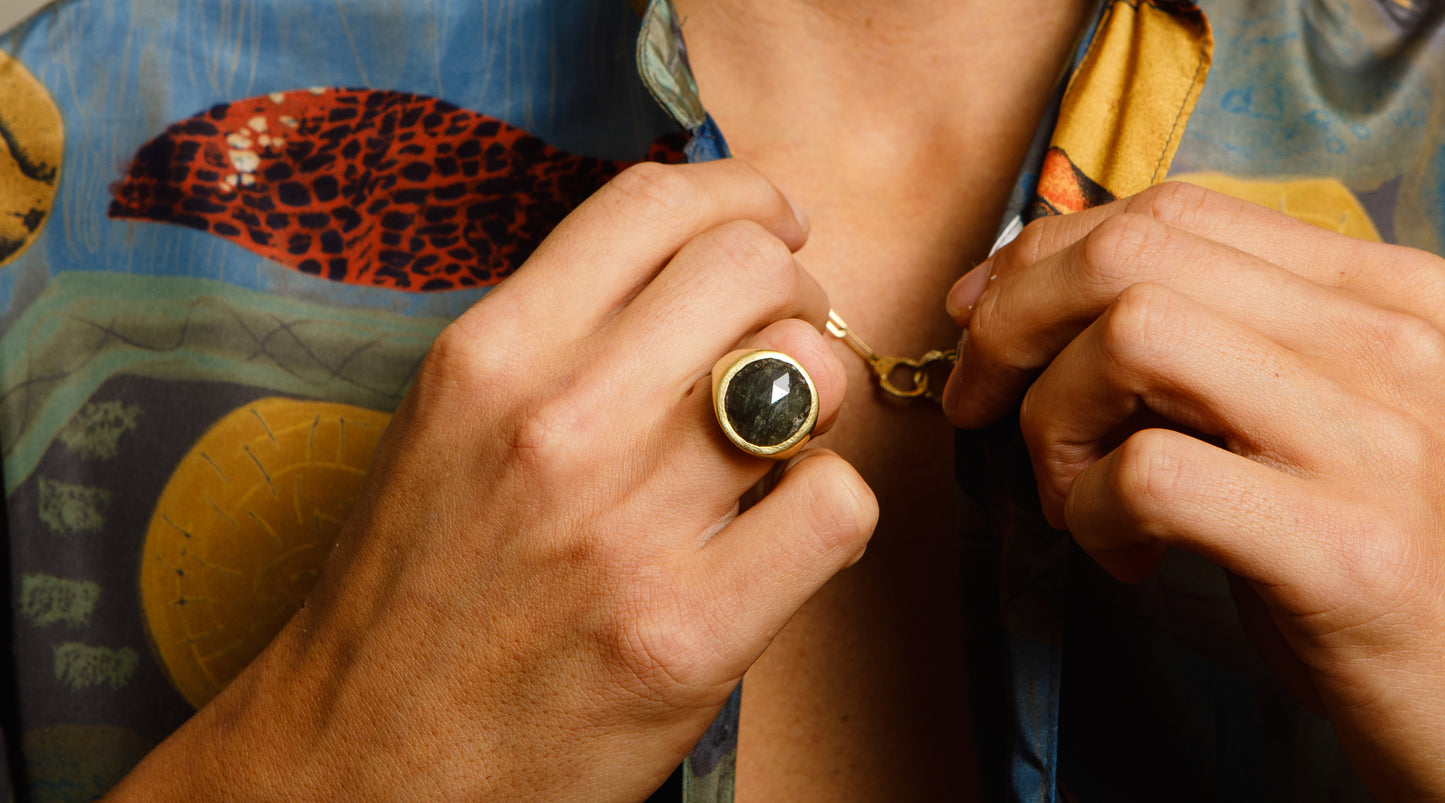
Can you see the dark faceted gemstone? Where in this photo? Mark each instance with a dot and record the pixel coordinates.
(767, 401)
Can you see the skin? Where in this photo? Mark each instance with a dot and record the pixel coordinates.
(862, 696)
(1275, 408)
(867, 657)
(561, 611)
(547, 592)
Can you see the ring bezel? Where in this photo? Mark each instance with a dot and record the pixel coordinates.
(723, 373)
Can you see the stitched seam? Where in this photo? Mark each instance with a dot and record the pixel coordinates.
(1193, 87)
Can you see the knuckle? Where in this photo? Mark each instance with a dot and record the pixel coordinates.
(449, 368)
(1028, 247)
(1117, 248)
(989, 328)
(1423, 271)
(669, 653)
(551, 442)
(475, 366)
(1036, 424)
(1403, 443)
(840, 508)
(1032, 424)
(651, 191)
(1148, 477)
(1410, 340)
(1370, 550)
(1173, 202)
(750, 255)
(1136, 322)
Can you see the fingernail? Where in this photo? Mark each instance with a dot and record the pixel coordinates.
(798, 215)
(966, 291)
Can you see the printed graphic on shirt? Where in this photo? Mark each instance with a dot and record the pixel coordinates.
(241, 530)
(125, 343)
(1127, 104)
(365, 186)
(79, 762)
(89, 327)
(31, 141)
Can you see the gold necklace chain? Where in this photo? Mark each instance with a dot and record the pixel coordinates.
(903, 377)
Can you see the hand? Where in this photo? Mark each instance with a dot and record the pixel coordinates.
(1203, 373)
(547, 591)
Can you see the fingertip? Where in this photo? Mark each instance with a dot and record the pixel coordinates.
(799, 216)
(844, 506)
(966, 291)
(785, 220)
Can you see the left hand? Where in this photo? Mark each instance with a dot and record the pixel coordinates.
(1200, 372)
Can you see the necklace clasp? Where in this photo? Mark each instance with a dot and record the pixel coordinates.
(902, 377)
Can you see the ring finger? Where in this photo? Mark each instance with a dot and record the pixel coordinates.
(694, 462)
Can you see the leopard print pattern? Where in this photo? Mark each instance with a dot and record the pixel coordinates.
(365, 186)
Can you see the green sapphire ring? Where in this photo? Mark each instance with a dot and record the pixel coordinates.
(765, 402)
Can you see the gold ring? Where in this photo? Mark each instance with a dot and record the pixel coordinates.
(765, 402)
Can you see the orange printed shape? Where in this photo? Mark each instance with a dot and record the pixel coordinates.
(1124, 111)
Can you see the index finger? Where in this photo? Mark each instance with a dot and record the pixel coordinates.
(615, 242)
(1304, 249)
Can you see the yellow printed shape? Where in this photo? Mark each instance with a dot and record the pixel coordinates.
(1324, 202)
(1124, 112)
(31, 144)
(241, 530)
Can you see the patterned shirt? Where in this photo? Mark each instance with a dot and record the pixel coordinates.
(229, 232)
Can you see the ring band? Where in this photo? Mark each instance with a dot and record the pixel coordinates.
(765, 402)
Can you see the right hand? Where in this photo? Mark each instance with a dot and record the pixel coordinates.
(546, 590)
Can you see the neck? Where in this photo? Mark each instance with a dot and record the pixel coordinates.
(909, 76)
(898, 127)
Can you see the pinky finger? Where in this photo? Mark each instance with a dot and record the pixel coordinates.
(1162, 488)
(762, 567)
